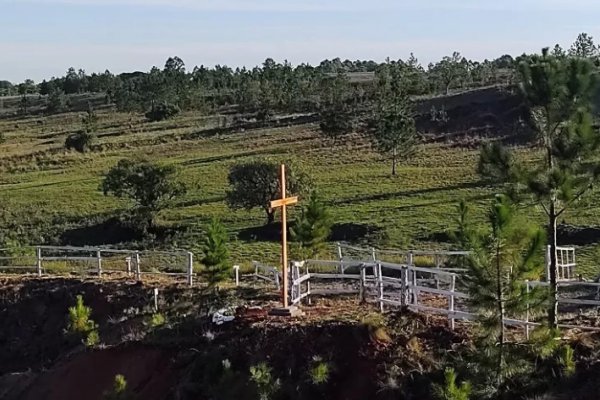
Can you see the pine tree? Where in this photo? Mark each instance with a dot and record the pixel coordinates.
(394, 129)
(216, 253)
(313, 228)
(335, 111)
(500, 262)
(558, 92)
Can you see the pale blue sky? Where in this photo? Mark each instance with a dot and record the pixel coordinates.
(42, 38)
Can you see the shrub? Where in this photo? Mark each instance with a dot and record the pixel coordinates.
(119, 390)
(162, 112)
(81, 324)
(92, 338)
(566, 360)
(319, 372)
(80, 141)
(79, 317)
(262, 377)
(157, 320)
(450, 390)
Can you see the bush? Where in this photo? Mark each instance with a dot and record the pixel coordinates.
(450, 390)
(319, 372)
(81, 324)
(262, 377)
(80, 141)
(157, 320)
(119, 390)
(162, 112)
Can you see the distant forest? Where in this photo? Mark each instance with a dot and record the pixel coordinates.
(274, 87)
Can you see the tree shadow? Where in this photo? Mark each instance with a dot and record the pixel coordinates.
(110, 231)
(340, 232)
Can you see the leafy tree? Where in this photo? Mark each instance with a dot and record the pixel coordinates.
(256, 184)
(313, 228)
(558, 93)
(149, 185)
(216, 253)
(500, 262)
(80, 141)
(449, 70)
(584, 47)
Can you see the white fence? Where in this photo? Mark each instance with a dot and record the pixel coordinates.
(432, 290)
(96, 261)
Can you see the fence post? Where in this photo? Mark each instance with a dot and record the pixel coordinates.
(340, 257)
(138, 269)
(451, 301)
(128, 264)
(155, 299)
(380, 278)
(547, 260)
(409, 258)
(308, 298)
(437, 265)
(99, 260)
(190, 268)
(415, 290)
(277, 280)
(236, 271)
(363, 276)
(38, 254)
(403, 288)
(527, 311)
(374, 253)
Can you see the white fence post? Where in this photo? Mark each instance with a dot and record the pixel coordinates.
(308, 298)
(547, 259)
(155, 299)
(374, 253)
(190, 268)
(138, 269)
(451, 301)
(380, 278)
(236, 272)
(99, 261)
(128, 265)
(38, 253)
(340, 257)
(527, 311)
(410, 258)
(415, 290)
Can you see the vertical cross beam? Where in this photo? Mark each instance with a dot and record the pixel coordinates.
(283, 203)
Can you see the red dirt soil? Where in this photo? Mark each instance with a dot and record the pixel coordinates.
(89, 375)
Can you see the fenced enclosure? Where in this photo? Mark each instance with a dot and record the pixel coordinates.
(97, 261)
(432, 290)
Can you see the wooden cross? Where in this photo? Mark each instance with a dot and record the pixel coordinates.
(283, 203)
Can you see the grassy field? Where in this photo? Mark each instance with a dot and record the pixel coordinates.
(39, 180)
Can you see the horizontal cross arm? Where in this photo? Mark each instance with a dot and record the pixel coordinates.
(284, 202)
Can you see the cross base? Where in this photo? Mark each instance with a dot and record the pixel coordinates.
(291, 311)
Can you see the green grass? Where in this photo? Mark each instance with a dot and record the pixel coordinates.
(37, 176)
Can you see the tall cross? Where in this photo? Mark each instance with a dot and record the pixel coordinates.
(282, 203)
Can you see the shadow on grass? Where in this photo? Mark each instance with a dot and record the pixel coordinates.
(409, 193)
(341, 232)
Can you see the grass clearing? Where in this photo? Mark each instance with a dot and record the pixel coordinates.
(37, 176)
